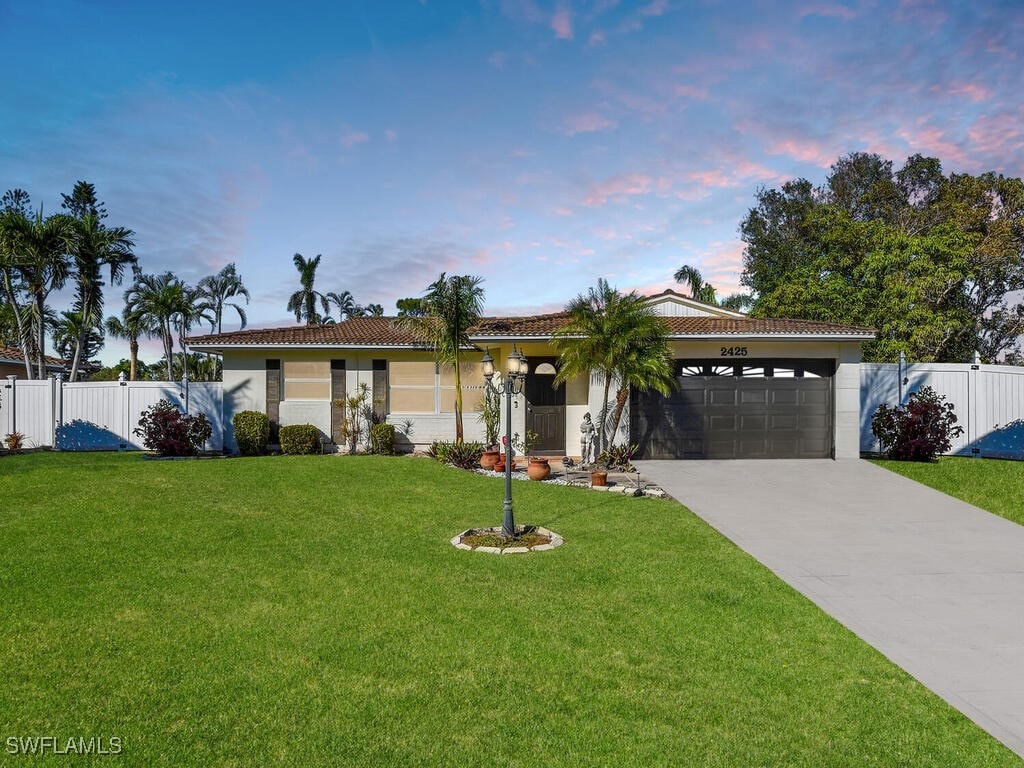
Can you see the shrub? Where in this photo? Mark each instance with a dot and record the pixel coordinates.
(440, 451)
(166, 430)
(462, 455)
(618, 456)
(15, 441)
(252, 432)
(300, 439)
(917, 431)
(382, 439)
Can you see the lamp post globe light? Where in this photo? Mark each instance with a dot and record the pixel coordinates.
(510, 386)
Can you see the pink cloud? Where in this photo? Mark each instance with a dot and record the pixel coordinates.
(497, 59)
(974, 92)
(690, 92)
(804, 151)
(626, 185)
(351, 138)
(933, 141)
(656, 8)
(391, 134)
(586, 122)
(561, 210)
(997, 135)
(830, 10)
(561, 23)
(596, 38)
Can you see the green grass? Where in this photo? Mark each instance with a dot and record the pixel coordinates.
(993, 484)
(310, 611)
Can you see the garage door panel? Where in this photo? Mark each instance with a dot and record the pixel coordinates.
(724, 416)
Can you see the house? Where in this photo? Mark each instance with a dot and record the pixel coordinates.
(12, 363)
(747, 387)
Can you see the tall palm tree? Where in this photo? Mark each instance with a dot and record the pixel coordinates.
(619, 336)
(304, 301)
(217, 289)
(73, 334)
(131, 327)
(346, 304)
(371, 310)
(95, 247)
(40, 249)
(10, 225)
(699, 289)
(158, 300)
(193, 309)
(453, 305)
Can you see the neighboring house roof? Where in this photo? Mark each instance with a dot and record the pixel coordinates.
(382, 333)
(14, 355)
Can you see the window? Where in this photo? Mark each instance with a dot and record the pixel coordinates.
(307, 380)
(422, 386)
(472, 380)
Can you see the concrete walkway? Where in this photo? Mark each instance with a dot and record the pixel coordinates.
(933, 583)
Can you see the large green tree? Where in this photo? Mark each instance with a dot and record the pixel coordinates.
(14, 209)
(452, 305)
(131, 326)
(304, 301)
(158, 301)
(932, 261)
(619, 336)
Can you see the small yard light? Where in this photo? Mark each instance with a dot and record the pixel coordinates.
(510, 386)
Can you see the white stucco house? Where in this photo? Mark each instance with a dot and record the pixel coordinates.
(747, 387)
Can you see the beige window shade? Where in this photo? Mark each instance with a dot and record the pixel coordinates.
(297, 369)
(412, 400)
(419, 373)
(472, 374)
(472, 398)
(307, 390)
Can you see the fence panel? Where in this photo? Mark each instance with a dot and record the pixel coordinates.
(26, 408)
(987, 399)
(92, 416)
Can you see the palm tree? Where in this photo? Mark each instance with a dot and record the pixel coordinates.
(158, 300)
(74, 335)
(10, 225)
(131, 327)
(217, 289)
(346, 304)
(371, 310)
(452, 305)
(620, 337)
(95, 247)
(303, 302)
(193, 309)
(699, 290)
(40, 248)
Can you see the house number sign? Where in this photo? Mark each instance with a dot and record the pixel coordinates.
(734, 352)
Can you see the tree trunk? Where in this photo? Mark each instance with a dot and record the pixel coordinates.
(621, 397)
(23, 335)
(168, 346)
(458, 402)
(83, 332)
(41, 337)
(133, 353)
(602, 433)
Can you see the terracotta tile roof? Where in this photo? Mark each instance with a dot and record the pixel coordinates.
(382, 332)
(13, 354)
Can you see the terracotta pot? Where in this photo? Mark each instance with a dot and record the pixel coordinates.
(499, 465)
(539, 469)
(488, 459)
(599, 478)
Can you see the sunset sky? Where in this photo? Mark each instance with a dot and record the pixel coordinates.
(537, 144)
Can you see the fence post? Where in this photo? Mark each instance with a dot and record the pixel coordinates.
(124, 387)
(12, 385)
(57, 403)
(899, 373)
(972, 406)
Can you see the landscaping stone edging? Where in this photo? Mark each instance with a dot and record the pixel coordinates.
(556, 541)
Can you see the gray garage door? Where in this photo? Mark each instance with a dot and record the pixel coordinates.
(757, 409)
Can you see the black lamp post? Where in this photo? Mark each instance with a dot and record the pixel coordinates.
(510, 386)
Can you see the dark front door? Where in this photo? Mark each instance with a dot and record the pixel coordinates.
(545, 406)
(757, 409)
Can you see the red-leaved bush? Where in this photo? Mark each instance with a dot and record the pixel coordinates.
(169, 432)
(917, 431)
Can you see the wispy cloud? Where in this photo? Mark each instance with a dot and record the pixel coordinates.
(561, 23)
(350, 138)
(586, 122)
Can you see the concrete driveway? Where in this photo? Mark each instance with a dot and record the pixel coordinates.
(935, 584)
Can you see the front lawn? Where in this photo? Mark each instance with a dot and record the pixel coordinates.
(996, 485)
(310, 611)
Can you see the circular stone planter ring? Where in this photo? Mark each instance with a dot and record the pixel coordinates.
(552, 540)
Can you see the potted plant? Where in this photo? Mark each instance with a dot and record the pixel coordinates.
(490, 415)
(598, 474)
(538, 468)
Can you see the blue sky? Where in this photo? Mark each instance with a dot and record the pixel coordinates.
(539, 144)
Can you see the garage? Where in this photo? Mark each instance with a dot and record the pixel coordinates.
(754, 409)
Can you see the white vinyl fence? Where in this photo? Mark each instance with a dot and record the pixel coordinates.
(99, 415)
(988, 401)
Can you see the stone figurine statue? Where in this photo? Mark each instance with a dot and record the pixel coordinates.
(586, 439)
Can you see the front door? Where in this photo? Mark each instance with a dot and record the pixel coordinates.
(545, 406)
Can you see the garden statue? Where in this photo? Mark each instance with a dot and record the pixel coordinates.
(586, 439)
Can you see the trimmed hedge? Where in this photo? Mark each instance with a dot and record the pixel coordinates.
(252, 432)
(382, 439)
(300, 439)
(462, 455)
